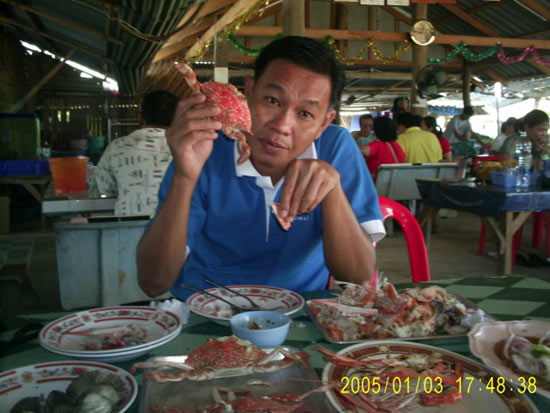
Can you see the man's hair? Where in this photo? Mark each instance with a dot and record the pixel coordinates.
(365, 116)
(430, 122)
(385, 129)
(468, 110)
(407, 119)
(157, 108)
(310, 54)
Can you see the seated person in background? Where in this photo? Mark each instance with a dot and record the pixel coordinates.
(132, 167)
(508, 128)
(535, 125)
(419, 146)
(365, 135)
(215, 216)
(385, 149)
(429, 124)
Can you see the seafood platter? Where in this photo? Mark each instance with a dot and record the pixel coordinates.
(393, 375)
(269, 298)
(364, 312)
(67, 386)
(240, 377)
(515, 349)
(110, 334)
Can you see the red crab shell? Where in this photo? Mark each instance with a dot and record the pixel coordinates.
(234, 113)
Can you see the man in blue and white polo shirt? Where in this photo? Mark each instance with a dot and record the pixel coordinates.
(215, 218)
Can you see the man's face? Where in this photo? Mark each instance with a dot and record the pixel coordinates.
(366, 126)
(289, 108)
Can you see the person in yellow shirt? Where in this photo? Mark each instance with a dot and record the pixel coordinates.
(420, 146)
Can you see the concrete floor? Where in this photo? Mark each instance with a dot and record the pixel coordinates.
(452, 254)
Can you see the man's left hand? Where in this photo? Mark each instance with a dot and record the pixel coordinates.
(307, 183)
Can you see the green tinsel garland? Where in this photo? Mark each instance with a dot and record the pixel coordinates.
(463, 48)
(247, 50)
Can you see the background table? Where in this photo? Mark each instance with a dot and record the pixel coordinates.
(503, 209)
(506, 298)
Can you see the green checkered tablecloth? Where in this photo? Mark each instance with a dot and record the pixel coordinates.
(506, 298)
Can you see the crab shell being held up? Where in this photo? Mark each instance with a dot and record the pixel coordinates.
(234, 113)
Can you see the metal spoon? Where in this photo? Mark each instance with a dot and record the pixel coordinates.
(233, 305)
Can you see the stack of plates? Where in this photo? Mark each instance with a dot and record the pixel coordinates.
(68, 335)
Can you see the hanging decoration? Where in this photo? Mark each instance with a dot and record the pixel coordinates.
(247, 50)
(531, 49)
(463, 48)
(257, 9)
(370, 44)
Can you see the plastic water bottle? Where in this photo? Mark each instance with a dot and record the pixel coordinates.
(90, 178)
(525, 160)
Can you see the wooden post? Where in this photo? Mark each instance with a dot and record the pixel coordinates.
(419, 106)
(294, 18)
(221, 54)
(466, 80)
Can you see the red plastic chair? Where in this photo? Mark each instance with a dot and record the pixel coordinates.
(418, 255)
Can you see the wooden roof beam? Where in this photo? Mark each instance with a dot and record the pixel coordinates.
(233, 13)
(538, 8)
(272, 31)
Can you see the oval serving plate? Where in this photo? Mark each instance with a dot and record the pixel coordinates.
(65, 335)
(284, 301)
(37, 379)
(484, 336)
(477, 398)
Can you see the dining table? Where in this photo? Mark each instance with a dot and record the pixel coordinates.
(505, 298)
(503, 209)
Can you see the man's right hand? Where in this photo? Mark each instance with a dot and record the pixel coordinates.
(191, 135)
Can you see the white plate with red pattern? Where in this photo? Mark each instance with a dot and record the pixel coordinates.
(43, 378)
(110, 334)
(269, 298)
(480, 387)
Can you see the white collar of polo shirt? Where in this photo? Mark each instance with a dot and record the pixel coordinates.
(264, 182)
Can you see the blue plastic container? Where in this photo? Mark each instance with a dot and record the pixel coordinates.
(30, 167)
(510, 179)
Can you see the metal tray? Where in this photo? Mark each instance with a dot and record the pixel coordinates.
(193, 395)
(465, 301)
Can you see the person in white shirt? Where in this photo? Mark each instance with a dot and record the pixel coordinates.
(459, 128)
(132, 167)
(459, 133)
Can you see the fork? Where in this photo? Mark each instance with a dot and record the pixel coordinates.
(254, 306)
(234, 306)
